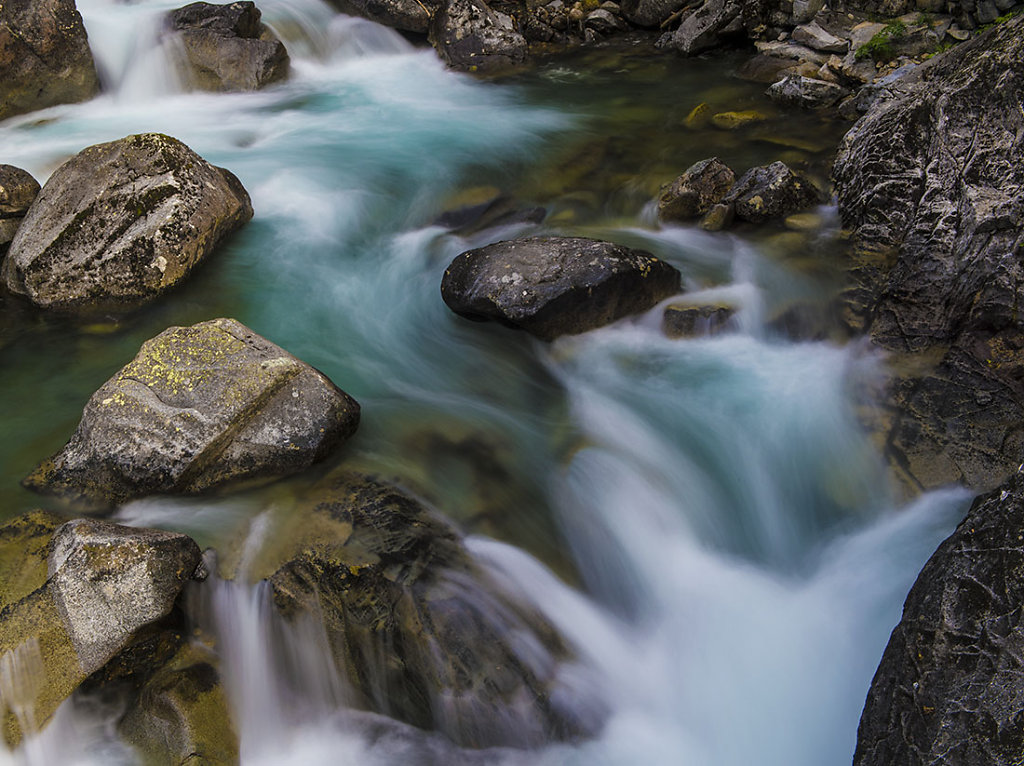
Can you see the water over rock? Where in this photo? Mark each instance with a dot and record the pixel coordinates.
(95, 586)
(18, 189)
(122, 222)
(44, 56)
(949, 687)
(197, 408)
(695, 191)
(422, 632)
(471, 36)
(227, 48)
(772, 191)
(931, 182)
(552, 286)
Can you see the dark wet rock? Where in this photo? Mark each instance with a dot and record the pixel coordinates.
(424, 632)
(603, 22)
(406, 15)
(695, 192)
(552, 286)
(18, 189)
(122, 222)
(931, 182)
(806, 92)
(772, 191)
(650, 13)
(180, 715)
(470, 36)
(708, 26)
(691, 321)
(104, 583)
(497, 210)
(199, 407)
(227, 47)
(949, 688)
(44, 56)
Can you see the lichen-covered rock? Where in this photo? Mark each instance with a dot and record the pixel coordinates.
(806, 92)
(949, 686)
(199, 407)
(44, 56)
(104, 583)
(552, 286)
(931, 182)
(227, 47)
(472, 37)
(406, 15)
(772, 191)
(424, 633)
(181, 715)
(18, 189)
(122, 222)
(707, 26)
(696, 191)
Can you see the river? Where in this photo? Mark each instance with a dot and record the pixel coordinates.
(705, 519)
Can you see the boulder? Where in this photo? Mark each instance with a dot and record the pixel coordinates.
(931, 183)
(423, 632)
(695, 192)
(772, 191)
(603, 22)
(814, 36)
(706, 27)
(692, 321)
(199, 407)
(806, 92)
(949, 686)
(472, 37)
(406, 15)
(122, 222)
(226, 47)
(649, 13)
(104, 584)
(551, 286)
(18, 189)
(44, 56)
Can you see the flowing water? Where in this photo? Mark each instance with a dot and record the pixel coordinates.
(704, 519)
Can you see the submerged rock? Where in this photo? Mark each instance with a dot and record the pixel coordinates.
(551, 286)
(949, 686)
(44, 56)
(692, 321)
(104, 583)
(693, 194)
(772, 191)
(18, 189)
(199, 407)
(227, 48)
(472, 37)
(122, 222)
(931, 182)
(423, 632)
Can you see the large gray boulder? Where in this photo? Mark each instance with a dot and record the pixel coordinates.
(949, 688)
(707, 26)
(472, 37)
(44, 56)
(122, 222)
(422, 631)
(649, 13)
(552, 286)
(18, 189)
(197, 408)
(100, 586)
(406, 15)
(806, 92)
(930, 181)
(226, 47)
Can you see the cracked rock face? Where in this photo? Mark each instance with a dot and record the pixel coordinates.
(121, 223)
(44, 56)
(227, 47)
(197, 408)
(101, 585)
(931, 182)
(551, 286)
(949, 688)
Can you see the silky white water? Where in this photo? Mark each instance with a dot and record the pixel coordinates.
(740, 560)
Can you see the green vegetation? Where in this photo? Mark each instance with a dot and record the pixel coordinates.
(879, 47)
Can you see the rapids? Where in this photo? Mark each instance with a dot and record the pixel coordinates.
(704, 519)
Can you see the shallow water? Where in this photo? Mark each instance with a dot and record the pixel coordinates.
(704, 518)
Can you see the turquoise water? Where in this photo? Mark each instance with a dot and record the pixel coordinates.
(704, 518)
